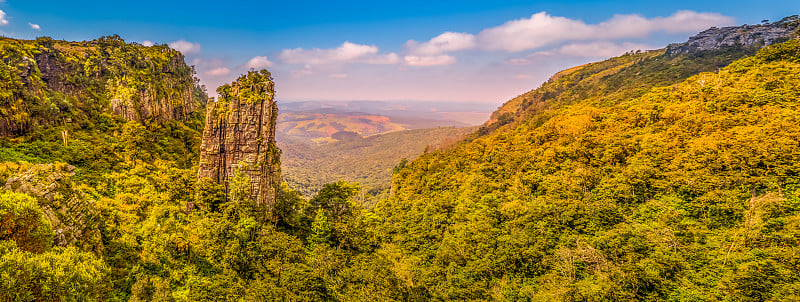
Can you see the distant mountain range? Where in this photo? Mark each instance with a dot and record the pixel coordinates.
(319, 121)
(361, 141)
(467, 113)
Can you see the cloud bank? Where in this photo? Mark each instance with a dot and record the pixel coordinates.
(542, 30)
(564, 37)
(489, 63)
(345, 53)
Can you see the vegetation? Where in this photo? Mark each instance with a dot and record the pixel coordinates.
(668, 185)
(685, 192)
(368, 161)
(71, 84)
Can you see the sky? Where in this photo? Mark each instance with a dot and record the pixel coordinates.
(412, 50)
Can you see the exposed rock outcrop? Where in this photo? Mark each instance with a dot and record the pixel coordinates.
(738, 36)
(240, 136)
(71, 212)
(45, 82)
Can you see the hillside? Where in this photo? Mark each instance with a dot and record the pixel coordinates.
(671, 174)
(607, 186)
(321, 126)
(462, 112)
(631, 75)
(368, 161)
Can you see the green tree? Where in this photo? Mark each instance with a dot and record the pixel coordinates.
(320, 229)
(23, 222)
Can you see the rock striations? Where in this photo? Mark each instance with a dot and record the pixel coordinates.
(70, 211)
(738, 36)
(240, 137)
(45, 82)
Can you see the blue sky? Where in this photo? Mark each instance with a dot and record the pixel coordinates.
(478, 51)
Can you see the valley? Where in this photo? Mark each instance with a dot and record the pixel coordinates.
(670, 174)
(325, 145)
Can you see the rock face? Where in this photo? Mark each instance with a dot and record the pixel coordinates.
(240, 136)
(743, 36)
(45, 82)
(71, 213)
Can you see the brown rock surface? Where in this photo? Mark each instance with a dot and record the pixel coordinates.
(742, 36)
(240, 135)
(71, 212)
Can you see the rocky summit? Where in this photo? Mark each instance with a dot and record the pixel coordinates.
(738, 36)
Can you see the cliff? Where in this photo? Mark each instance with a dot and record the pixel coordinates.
(756, 36)
(45, 82)
(240, 136)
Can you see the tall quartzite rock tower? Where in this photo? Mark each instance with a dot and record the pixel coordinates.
(240, 135)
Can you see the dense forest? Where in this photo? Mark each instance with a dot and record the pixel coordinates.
(649, 176)
(368, 161)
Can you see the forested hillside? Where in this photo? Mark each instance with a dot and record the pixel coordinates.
(662, 175)
(368, 161)
(687, 191)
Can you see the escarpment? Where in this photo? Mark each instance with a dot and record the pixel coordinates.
(636, 72)
(239, 139)
(745, 36)
(45, 82)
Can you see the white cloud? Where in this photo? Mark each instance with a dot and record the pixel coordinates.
(221, 71)
(542, 29)
(690, 21)
(34, 26)
(3, 20)
(148, 43)
(429, 60)
(596, 49)
(259, 62)
(386, 59)
(346, 53)
(446, 42)
(599, 49)
(185, 47)
(338, 76)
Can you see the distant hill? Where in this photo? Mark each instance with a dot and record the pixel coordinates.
(361, 141)
(463, 112)
(319, 125)
(368, 161)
